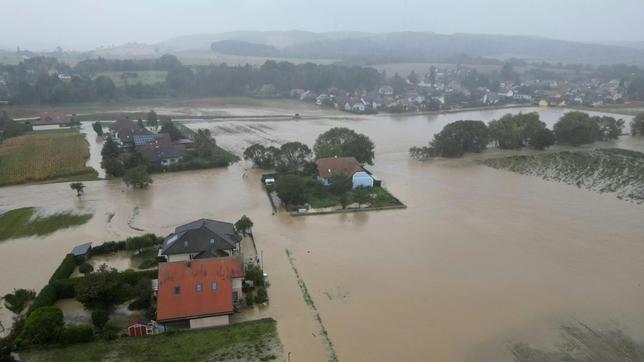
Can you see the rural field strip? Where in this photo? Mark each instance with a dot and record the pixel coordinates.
(333, 357)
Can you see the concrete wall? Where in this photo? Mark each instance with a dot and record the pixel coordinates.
(362, 179)
(221, 320)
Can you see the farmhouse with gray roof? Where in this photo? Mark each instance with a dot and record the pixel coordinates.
(200, 239)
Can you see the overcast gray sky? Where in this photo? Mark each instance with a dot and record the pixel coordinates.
(91, 23)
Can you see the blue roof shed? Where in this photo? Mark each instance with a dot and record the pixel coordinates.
(82, 249)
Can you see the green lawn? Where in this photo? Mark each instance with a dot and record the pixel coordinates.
(320, 197)
(26, 222)
(249, 341)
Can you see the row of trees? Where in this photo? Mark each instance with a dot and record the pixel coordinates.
(10, 128)
(296, 156)
(133, 167)
(290, 157)
(513, 131)
(36, 80)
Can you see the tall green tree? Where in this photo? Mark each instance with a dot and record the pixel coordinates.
(168, 127)
(78, 187)
(637, 125)
(290, 189)
(137, 177)
(262, 156)
(152, 119)
(101, 289)
(98, 128)
(542, 139)
(17, 301)
(459, 137)
(576, 128)
(350, 142)
(609, 127)
(294, 155)
(204, 143)
(244, 225)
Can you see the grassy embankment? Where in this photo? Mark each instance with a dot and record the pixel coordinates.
(44, 156)
(604, 170)
(249, 341)
(221, 157)
(25, 222)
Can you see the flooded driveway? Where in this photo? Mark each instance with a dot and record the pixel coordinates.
(480, 258)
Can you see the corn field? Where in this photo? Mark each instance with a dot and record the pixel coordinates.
(39, 157)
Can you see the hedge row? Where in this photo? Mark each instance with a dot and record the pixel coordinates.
(108, 247)
(55, 289)
(65, 269)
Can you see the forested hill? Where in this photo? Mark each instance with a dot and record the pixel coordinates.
(431, 47)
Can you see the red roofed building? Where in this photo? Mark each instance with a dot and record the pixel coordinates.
(50, 120)
(199, 293)
(346, 166)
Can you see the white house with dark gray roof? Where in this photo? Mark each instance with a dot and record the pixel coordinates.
(201, 239)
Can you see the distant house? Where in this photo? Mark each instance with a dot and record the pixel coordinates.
(51, 120)
(163, 156)
(386, 90)
(158, 149)
(199, 293)
(347, 166)
(201, 239)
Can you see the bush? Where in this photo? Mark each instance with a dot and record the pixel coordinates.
(46, 297)
(86, 268)
(110, 332)
(17, 301)
(255, 274)
(542, 139)
(261, 296)
(44, 325)
(65, 269)
(77, 334)
(249, 299)
(143, 290)
(100, 318)
(139, 242)
(100, 289)
(108, 247)
(64, 288)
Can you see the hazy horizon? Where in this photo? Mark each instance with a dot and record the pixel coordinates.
(79, 25)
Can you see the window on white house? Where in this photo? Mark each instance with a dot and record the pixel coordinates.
(235, 296)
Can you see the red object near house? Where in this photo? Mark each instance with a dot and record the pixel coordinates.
(138, 328)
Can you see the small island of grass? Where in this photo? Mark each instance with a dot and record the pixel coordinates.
(334, 181)
(27, 222)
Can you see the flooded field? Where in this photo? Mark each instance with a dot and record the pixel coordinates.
(479, 259)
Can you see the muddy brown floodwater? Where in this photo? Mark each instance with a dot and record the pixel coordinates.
(480, 258)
